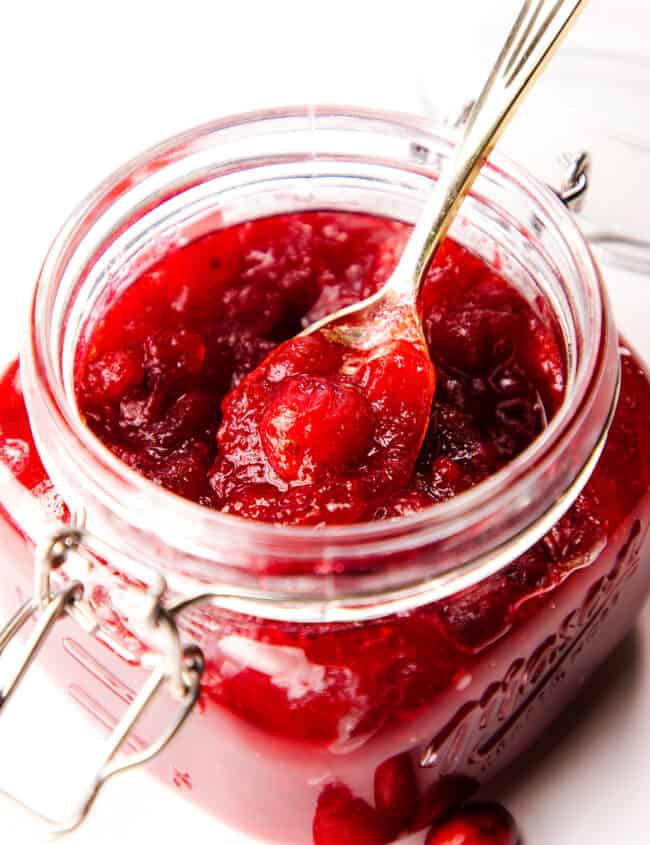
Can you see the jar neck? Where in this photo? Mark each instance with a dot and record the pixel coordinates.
(291, 160)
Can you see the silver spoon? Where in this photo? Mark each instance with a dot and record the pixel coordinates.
(391, 313)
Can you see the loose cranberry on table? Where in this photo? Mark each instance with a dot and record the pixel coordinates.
(476, 824)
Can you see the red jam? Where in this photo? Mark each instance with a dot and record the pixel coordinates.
(353, 733)
(316, 433)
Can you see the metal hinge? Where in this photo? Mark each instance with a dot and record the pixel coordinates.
(575, 181)
(177, 666)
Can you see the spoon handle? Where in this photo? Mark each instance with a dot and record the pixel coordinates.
(535, 35)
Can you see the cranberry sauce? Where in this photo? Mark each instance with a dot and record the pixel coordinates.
(352, 733)
(315, 434)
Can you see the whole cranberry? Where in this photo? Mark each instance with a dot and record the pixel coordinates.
(475, 824)
(313, 424)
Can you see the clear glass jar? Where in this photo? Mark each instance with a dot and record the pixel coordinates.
(332, 651)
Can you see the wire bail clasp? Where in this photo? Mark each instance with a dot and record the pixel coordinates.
(177, 666)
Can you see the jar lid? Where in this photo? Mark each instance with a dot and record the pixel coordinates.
(589, 99)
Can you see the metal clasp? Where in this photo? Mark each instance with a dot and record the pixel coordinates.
(576, 179)
(575, 184)
(179, 667)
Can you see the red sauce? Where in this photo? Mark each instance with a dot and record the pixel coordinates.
(184, 379)
(355, 733)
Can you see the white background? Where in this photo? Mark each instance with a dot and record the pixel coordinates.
(84, 86)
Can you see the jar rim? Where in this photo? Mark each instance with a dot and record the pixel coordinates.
(49, 404)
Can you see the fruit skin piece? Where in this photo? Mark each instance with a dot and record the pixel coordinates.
(343, 819)
(396, 791)
(475, 824)
(175, 353)
(108, 377)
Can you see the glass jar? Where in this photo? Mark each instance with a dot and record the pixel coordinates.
(396, 663)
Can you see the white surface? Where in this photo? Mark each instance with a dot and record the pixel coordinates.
(85, 86)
